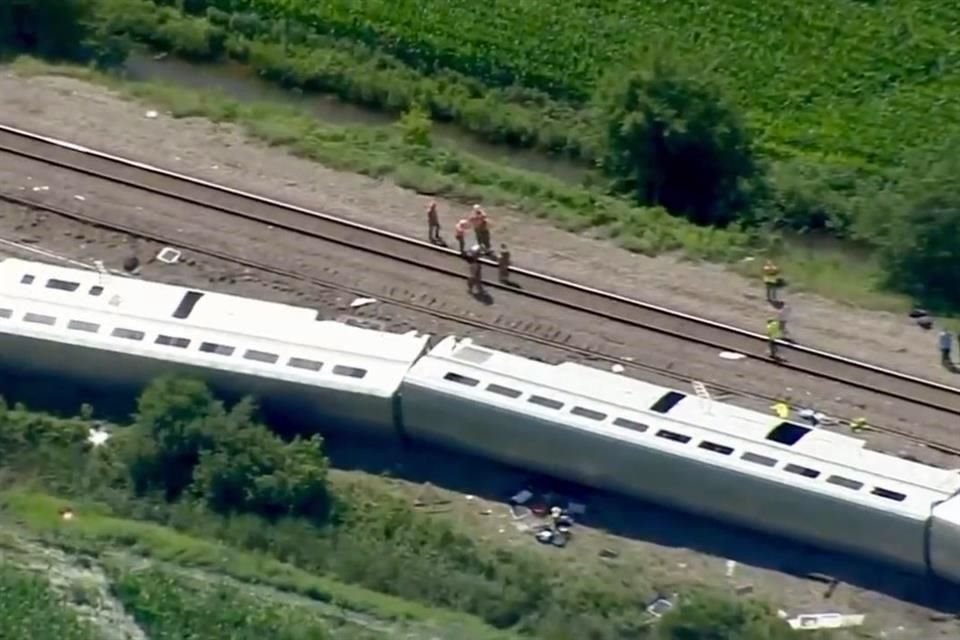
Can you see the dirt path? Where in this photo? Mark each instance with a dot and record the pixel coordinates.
(94, 116)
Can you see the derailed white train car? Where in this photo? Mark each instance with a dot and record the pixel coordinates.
(118, 332)
(611, 432)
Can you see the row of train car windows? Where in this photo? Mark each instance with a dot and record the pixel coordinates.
(62, 285)
(673, 436)
(183, 343)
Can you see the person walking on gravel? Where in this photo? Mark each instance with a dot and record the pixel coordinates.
(771, 280)
(503, 264)
(433, 223)
(945, 341)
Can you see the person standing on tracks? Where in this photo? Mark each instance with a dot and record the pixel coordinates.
(771, 280)
(945, 341)
(503, 264)
(773, 334)
(783, 314)
(460, 233)
(433, 223)
(475, 277)
(481, 227)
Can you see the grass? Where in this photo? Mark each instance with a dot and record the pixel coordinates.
(868, 86)
(94, 531)
(30, 609)
(833, 271)
(168, 605)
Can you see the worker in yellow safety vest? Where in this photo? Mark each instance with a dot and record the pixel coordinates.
(858, 424)
(773, 334)
(771, 280)
(781, 409)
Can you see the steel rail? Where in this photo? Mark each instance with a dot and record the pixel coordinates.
(591, 354)
(413, 252)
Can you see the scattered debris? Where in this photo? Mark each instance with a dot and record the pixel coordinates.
(701, 390)
(151, 114)
(519, 512)
(617, 368)
(98, 437)
(66, 513)
(521, 497)
(169, 255)
(731, 355)
(79, 197)
(608, 553)
(812, 416)
(659, 607)
(429, 496)
(486, 512)
(731, 567)
(44, 188)
(744, 589)
(813, 621)
(362, 302)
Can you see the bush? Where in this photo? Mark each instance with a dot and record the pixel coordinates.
(186, 440)
(921, 254)
(709, 617)
(673, 140)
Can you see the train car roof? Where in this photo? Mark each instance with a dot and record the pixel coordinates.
(684, 424)
(155, 320)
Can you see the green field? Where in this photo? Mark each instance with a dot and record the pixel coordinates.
(847, 79)
(28, 609)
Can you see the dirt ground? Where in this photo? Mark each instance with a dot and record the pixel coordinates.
(682, 551)
(93, 116)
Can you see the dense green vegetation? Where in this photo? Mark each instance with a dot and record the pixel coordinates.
(368, 538)
(752, 128)
(29, 609)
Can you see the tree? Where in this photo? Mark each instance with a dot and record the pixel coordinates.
(708, 617)
(59, 29)
(921, 255)
(674, 141)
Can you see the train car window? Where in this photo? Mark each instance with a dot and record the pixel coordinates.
(630, 424)
(840, 481)
(673, 435)
(96, 290)
(806, 472)
(63, 285)
(303, 363)
(588, 413)
(716, 448)
(80, 325)
(27, 279)
(756, 458)
(549, 403)
(350, 372)
(666, 402)
(787, 433)
(173, 341)
(503, 391)
(261, 356)
(459, 379)
(219, 349)
(129, 334)
(6, 313)
(187, 303)
(889, 495)
(39, 318)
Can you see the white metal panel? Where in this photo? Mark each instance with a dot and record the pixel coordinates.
(879, 486)
(382, 375)
(558, 445)
(157, 301)
(944, 539)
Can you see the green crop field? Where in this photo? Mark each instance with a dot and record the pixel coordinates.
(856, 79)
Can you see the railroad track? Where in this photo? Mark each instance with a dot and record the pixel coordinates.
(610, 306)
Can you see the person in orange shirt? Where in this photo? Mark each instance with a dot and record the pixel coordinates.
(460, 232)
(481, 227)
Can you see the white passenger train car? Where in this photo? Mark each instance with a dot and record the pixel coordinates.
(123, 332)
(612, 432)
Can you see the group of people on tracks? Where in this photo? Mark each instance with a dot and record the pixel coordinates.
(479, 222)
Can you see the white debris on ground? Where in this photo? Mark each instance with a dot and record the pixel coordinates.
(98, 437)
(362, 302)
